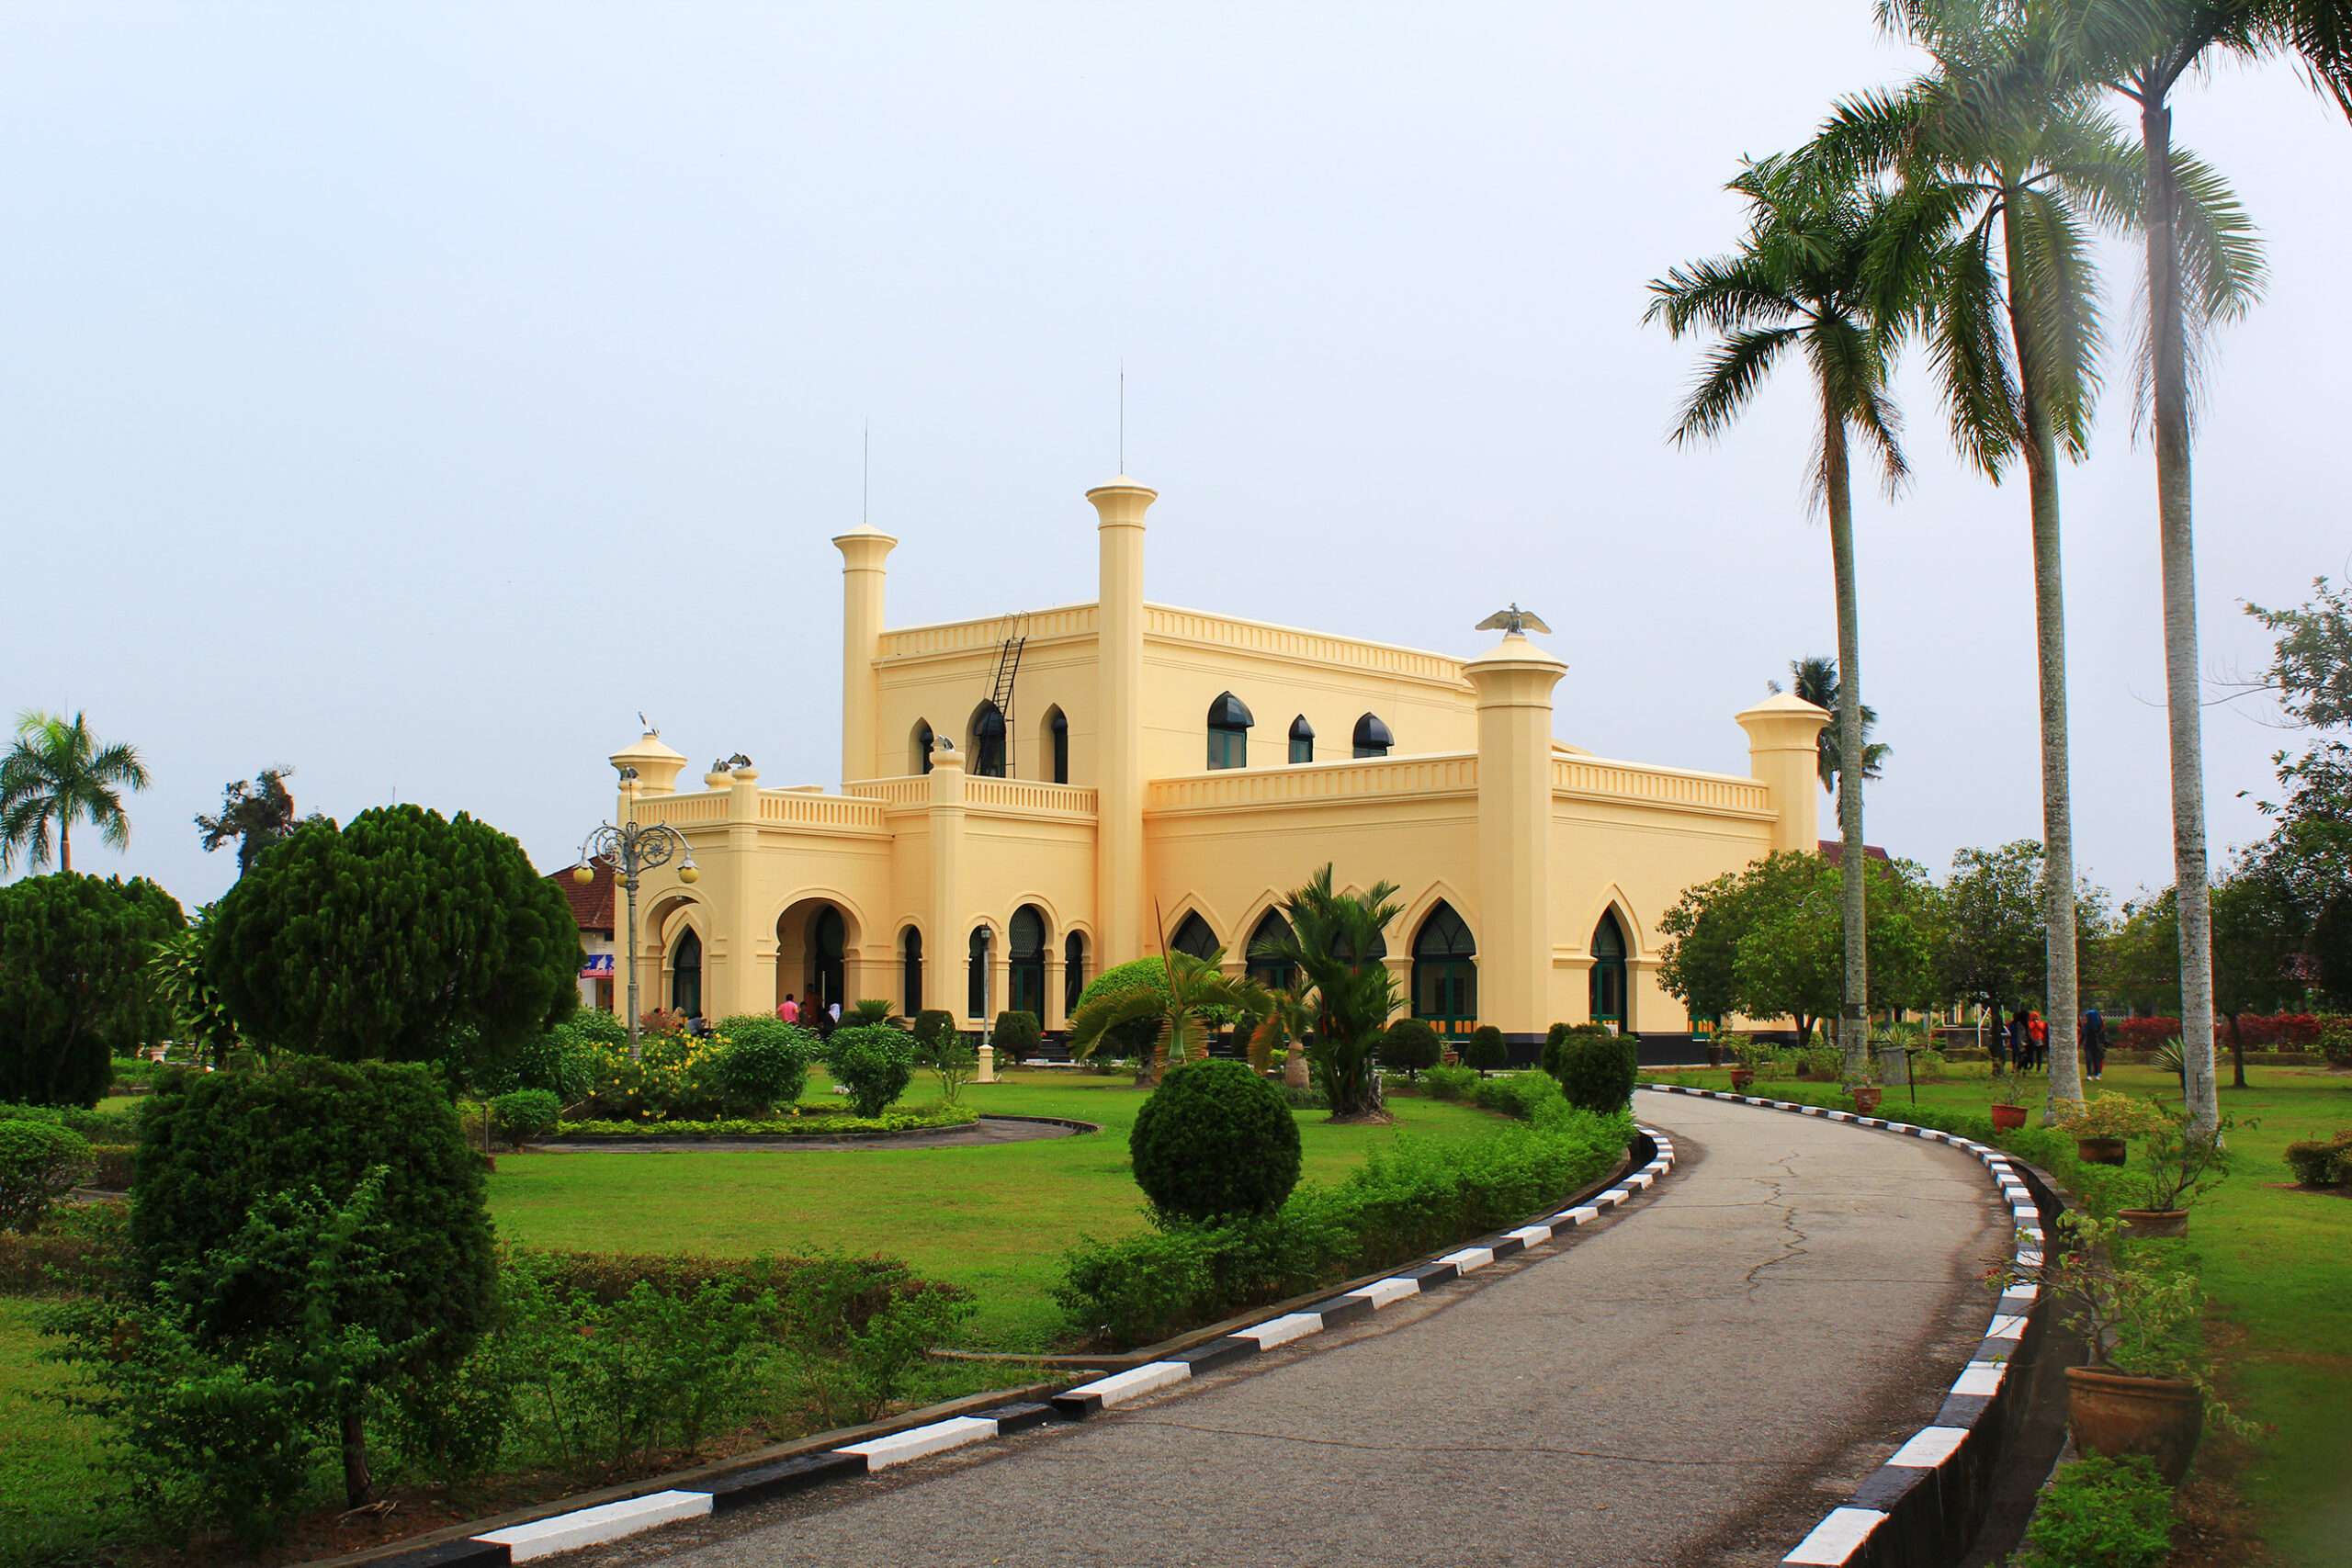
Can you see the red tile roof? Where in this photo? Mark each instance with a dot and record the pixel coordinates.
(1832, 850)
(592, 903)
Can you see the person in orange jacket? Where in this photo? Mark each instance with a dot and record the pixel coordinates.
(2041, 1041)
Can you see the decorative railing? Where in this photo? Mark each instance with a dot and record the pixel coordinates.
(1660, 786)
(682, 810)
(803, 809)
(1025, 795)
(971, 637)
(1444, 773)
(913, 790)
(1288, 642)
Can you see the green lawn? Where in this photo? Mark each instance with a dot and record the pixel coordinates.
(994, 1218)
(2279, 1273)
(45, 1453)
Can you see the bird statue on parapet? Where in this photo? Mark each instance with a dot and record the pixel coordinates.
(1513, 622)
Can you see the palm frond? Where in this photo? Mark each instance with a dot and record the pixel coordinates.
(1971, 351)
(2060, 299)
(1728, 378)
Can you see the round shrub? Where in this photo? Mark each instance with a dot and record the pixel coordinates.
(1410, 1046)
(764, 1063)
(74, 954)
(1560, 1034)
(2335, 1041)
(1597, 1075)
(874, 1062)
(1016, 1035)
(213, 1145)
(1134, 1038)
(1214, 1140)
(561, 1062)
(1485, 1049)
(930, 1026)
(39, 1163)
(526, 1114)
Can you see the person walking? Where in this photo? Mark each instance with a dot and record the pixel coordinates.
(2040, 1034)
(1998, 1043)
(788, 1010)
(2021, 1041)
(2095, 1044)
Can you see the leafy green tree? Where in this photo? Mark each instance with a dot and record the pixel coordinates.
(55, 773)
(176, 971)
(405, 936)
(73, 951)
(1791, 959)
(2258, 933)
(1177, 1012)
(1811, 278)
(2140, 959)
(1699, 963)
(1993, 949)
(255, 816)
(1333, 936)
(2311, 844)
(1815, 678)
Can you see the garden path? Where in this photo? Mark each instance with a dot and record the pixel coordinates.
(1695, 1380)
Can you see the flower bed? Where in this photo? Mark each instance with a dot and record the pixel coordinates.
(815, 1124)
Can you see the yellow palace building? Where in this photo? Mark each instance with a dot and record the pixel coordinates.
(1028, 800)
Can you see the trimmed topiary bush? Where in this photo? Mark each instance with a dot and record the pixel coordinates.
(1485, 1049)
(2319, 1162)
(1597, 1073)
(1016, 1035)
(764, 1063)
(874, 1062)
(39, 1163)
(1214, 1141)
(74, 985)
(1410, 1046)
(1560, 1034)
(526, 1114)
(929, 1026)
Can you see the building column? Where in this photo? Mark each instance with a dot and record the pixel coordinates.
(1119, 786)
(1784, 754)
(945, 941)
(1514, 682)
(1000, 976)
(863, 552)
(746, 980)
(1057, 976)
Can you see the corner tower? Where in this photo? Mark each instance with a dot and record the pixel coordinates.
(1119, 887)
(863, 549)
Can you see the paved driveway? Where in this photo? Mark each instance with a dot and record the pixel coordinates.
(1694, 1380)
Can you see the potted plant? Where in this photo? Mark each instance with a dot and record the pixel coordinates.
(2008, 1102)
(2146, 1388)
(1743, 1051)
(2101, 1129)
(2177, 1168)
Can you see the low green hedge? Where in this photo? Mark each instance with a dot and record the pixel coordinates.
(826, 1124)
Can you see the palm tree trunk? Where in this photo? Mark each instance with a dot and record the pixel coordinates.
(2175, 540)
(65, 840)
(1836, 484)
(2049, 628)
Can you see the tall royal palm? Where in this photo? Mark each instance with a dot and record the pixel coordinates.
(1802, 280)
(2201, 270)
(56, 773)
(2004, 173)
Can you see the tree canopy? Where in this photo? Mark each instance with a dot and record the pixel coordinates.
(404, 937)
(55, 774)
(255, 816)
(73, 951)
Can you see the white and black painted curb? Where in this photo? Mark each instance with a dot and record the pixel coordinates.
(567, 1532)
(1921, 1507)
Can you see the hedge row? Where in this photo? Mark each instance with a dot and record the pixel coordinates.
(828, 1124)
(2284, 1029)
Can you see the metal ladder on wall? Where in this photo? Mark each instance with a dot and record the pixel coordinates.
(1008, 668)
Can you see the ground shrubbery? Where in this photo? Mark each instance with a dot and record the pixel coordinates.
(2102, 1512)
(1485, 1050)
(39, 1163)
(1215, 1141)
(1595, 1069)
(1415, 1198)
(874, 1062)
(744, 1068)
(526, 1114)
(1410, 1047)
(1016, 1036)
(2322, 1162)
(1452, 1083)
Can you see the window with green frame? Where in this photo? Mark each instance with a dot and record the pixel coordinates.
(1372, 737)
(1302, 739)
(1229, 723)
(1445, 973)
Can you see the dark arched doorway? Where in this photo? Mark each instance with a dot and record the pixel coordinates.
(1608, 1003)
(1073, 972)
(1195, 937)
(685, 973)
(975, 976)
(1025, 954)
(910, 974)
(1274, 974)
(827, 937)
(988, 742)
(1445, 973)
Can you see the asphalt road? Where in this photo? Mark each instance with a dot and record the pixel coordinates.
(1696, 1379)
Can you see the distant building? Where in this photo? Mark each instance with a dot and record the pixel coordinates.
(592, 910)
(1834, 851)
(1028, 799)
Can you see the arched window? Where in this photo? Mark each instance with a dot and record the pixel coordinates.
(1058, 744)
(1372, 737)
(1025, 951)
(1274, 974)
(685, 973)
(1195, 937)
(975, 983)
(827, 935)
(1073, 972)
(1229, 723)
(1608, 972)
(919, 747)
(910, 974)
(1302, 739)
(1445, 973)
(988, 742)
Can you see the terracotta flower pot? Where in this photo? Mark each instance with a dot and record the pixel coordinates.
(1742, 1076)
(1866, 1097)
(2101, 1151)
(2154, 1221)
(2008, 1116)
(2115, 1415)
(1714, 1055)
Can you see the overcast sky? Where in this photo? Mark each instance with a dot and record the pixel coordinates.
(410, 394)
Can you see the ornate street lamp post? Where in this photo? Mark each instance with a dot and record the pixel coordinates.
(634, 847)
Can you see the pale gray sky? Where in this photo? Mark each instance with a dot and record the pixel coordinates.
(412, 393)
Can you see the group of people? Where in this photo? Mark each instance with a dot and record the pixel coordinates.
(2024, 1042)
(812, 1014)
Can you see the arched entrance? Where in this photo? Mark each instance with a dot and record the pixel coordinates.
(1195, 937)
(685, 973)
(813, 939)
(910, 973)
(1025, 956)
(1274, 974)
(975, 979)
(1073, 972)
(1608, 999)
(988, 742)
(828, 936)
(1445, 973)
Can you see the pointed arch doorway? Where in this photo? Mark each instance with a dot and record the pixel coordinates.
(1608, 1003)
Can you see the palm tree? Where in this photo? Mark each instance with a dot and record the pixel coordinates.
(1335, 941)
(2201, 271)
(1815, 678)
(1196, 987)
(56, 773)
(256, 815)
(1803, 279)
